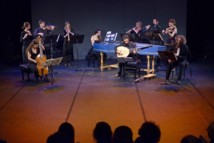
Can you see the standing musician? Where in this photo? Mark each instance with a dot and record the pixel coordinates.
(36, 59)
(25, 38)
(97, 38)
(181, 52)
(171, 31)
(153, 31)
(131, 53)
(68, 54)
(43, 30)
(137, 32)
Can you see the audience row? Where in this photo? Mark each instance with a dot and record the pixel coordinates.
(149, 132)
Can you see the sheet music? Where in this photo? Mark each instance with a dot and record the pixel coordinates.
(51, 62)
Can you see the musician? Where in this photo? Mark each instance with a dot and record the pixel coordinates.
(137, 32)
(132, 53)
(32, 52)
(181, 52)
(25, 38)
(97, 38)
(171, 31)
(68, 54)
(153, 31)
(43, 29)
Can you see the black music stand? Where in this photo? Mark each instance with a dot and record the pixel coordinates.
(77, 39)
(165, 55)
(154, 36)
(49, 40)
(50, 63)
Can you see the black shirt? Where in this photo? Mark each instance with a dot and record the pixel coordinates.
(27, 40)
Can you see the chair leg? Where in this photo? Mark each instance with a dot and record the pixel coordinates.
(138, 72)
(135, 73)
(28, 76)
(93, 63)
(88, 62)
(23, 78)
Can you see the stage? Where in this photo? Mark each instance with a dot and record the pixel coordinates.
(30, 111)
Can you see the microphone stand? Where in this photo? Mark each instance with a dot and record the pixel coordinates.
(77, 69)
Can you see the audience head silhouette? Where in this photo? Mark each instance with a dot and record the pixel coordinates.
(102, 132)
(122, 134)
(149, 133)
(190, 139)
(210, 131)
(65, 134)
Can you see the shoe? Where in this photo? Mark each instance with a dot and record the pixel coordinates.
(69, 65)
(167, 82)
(65, 65)
(117, 75)
(46, 79)
(178, 82)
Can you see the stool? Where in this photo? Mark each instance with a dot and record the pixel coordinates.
(133, 66)
(25, 69)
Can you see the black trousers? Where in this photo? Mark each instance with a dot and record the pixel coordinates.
(173, 65)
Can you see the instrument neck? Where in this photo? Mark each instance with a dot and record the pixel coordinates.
(40, 49)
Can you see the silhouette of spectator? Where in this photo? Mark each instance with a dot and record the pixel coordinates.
(65, 134)
(102, 133)
(190, 139)
(2, 141)
(122, 134)
(148, 133)
(210, 131)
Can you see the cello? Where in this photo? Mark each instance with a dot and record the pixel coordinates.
(41, 60)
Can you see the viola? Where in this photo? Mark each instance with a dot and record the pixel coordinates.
(41, 60)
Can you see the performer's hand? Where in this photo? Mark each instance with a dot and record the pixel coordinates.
(134, 51)
(163, 31)
(41, 34)
(147, 27)
(29, 33)
(170, 61)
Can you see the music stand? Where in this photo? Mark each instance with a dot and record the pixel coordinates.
(165, 55)
(77, 39)
(50, 63)
(49, 39)
(154, 36)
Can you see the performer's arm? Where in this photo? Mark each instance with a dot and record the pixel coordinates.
(29, 57)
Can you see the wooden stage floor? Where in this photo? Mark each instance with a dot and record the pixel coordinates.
(31, 111)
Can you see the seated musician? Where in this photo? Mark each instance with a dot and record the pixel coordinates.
(96, 38)
(33, 51)
(137, 33)
(153, 31)
(132, 53)
(181, 52)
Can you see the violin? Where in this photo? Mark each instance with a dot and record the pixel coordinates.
(49, 27)
(170, 29)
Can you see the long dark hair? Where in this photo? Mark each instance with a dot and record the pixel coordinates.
(33, 42)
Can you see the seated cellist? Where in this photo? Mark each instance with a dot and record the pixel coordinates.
(36, 59)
